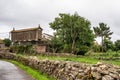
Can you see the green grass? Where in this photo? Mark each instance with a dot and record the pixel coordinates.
(34, 73)
(116, 62)
(91, 58)
(82, 59)
(106, 54)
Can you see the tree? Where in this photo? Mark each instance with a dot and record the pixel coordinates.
(108, 45)
(74, 31)
(7, 42)
(55, 44)
(104, 32)
(117, 45)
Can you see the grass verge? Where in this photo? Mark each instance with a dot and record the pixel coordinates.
(34, 73)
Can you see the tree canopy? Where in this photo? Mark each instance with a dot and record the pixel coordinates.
(102, 31)
(73, 31)
(108, 45)
(117, 45)
(7, 42)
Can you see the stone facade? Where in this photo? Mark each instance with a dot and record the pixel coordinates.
(68, 70)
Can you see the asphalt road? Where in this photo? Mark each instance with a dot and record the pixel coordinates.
(9, 71)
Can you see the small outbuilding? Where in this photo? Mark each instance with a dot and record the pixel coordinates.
(32, 36)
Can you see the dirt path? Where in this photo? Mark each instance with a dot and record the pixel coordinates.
(9, 71)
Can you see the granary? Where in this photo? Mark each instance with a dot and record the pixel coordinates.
(2, 45)
(30, 36)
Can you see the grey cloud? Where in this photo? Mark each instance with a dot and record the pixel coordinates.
(30, 13)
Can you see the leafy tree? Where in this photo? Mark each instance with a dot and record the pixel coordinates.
(96, 47)
(74, 31)
(7, 42)
(102, 31)
(55, 45)
(117, 45)
(108, 45)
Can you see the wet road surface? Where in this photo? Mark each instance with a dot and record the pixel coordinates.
(9, 71)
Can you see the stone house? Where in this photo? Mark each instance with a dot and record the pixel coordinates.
(30, 36)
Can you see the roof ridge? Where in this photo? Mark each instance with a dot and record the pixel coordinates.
(27, 29)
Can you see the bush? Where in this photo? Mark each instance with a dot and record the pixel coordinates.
(13, 49)
(82, 50)
(22, 49)
(96, 48)
(67, 48)
(118, 51)
(7, 42)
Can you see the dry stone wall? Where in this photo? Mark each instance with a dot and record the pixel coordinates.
(67, 70)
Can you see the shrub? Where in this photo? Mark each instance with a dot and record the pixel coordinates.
(67, 48)
(96, 48)
(82, 50)
(22, 49)
(7, 42)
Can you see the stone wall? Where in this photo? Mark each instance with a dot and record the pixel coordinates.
(67, 70)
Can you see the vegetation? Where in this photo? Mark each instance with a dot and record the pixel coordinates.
(117, 45)
(83, 59)
(73, 34)
(7, 42)
(92, 58)
(73, 31)
(34, 73)
(22, 49)
(104, 32)
(96, 48)
(108, 45)
(55, 44)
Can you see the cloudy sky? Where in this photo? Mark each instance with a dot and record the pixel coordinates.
(29, 13)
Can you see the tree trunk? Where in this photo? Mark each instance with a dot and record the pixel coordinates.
(73, 46)
(102, 44)
(54, 50)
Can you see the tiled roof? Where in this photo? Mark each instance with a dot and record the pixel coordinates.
(29, 29)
